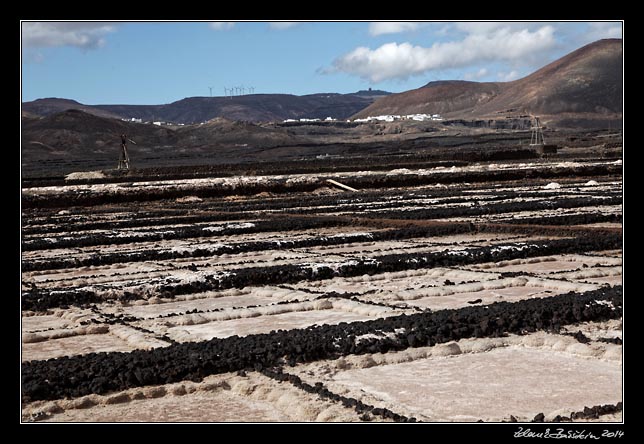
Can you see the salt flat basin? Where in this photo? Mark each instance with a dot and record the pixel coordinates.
(43, 322)
(74, 345)
(469, 387)
(610, 280)
(217, 406)
(550, 264)
(261, 324)
(211, 300)
(485, 296)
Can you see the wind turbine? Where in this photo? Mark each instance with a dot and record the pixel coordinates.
(210, 88)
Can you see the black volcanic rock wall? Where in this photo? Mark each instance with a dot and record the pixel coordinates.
(106, 372)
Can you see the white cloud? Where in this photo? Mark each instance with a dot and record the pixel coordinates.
(399, 61)
(475, 75)
(221, 26)
(479, 27)
(443, 30)
(86, 35)
(508, 76)
(604, 30)
(487, 28)
(379, 28)
(279, 26)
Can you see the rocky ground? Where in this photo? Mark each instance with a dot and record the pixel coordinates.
(475, 291)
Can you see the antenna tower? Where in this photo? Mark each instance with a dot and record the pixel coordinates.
(537, 133)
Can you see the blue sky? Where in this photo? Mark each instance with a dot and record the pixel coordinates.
(161, 62)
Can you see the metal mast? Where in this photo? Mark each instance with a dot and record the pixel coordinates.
(537, 133)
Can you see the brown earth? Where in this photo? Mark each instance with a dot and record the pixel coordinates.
(585, 84)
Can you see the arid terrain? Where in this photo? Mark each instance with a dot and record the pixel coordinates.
(580, 89)
(462, 291)
(577, 98)
(366, 257)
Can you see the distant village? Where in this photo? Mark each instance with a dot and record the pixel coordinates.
(157, 123)
(385, 118)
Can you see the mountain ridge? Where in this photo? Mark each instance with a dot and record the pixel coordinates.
(584, 84)
(249, 107)
(587, 81)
